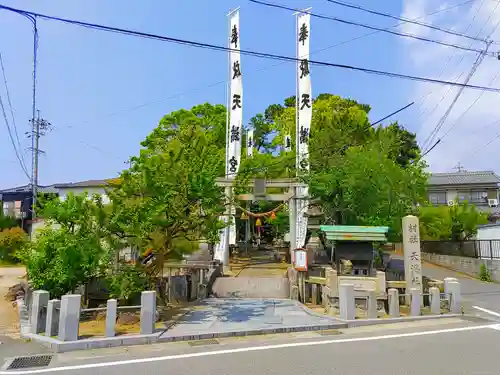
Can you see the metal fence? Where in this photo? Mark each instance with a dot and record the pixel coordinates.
(479, 249)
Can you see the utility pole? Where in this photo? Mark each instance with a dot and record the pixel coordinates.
(39, 127)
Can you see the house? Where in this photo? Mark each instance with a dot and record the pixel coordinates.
(478, 188)
(17, 202)
(90, 186)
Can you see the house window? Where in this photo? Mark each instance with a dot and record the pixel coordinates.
(464, 196)
(437, 198)
(479, 196)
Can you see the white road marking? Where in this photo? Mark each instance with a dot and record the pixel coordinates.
(494, 313)
(243, 350)
(496, 327)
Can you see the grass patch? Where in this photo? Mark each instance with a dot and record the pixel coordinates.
(97, 328)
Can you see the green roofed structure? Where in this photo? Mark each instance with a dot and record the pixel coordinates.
(356, 245)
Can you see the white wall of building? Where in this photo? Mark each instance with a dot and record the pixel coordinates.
(63, 192)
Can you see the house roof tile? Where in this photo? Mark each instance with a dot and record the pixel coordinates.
(464, 178)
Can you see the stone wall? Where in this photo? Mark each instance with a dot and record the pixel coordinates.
(470, 266)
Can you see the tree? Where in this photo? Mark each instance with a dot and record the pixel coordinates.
(456, 223)
(72, 248)
(355, 171)
(407, 151)
(11, 241)
(169, 200)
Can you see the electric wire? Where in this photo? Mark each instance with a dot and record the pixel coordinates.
(9, 102)
(11, 137)
(452, 55)
(248, 52)
(478, 62)
(358, 24)
(199, 88)
(407, 20)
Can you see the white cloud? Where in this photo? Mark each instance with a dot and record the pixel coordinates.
(466, 142)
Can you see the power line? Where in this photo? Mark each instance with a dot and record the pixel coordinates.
(12, 139)
(469, 108)
(248, 52)
(14, 125)
(478, 62)
(406, 20)
(352, 23)
(446, 64)
(199, 88)
(392, 114)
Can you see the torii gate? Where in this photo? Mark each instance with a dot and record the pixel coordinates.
(259, 186)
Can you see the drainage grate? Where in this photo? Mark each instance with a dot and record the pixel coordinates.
(204, 342)
(31, 361)
(328, 332)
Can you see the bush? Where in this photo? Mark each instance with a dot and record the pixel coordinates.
(128, 282)
(11, 241)
(484, 273)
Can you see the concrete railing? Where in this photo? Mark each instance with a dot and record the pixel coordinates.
(61, 318)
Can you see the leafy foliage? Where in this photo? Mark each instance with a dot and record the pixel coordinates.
(71, 249)
(359, 175)
(484, 273)
(128, 282)
(11, 241)
(168, 200)
(456, 223)
(7, 222)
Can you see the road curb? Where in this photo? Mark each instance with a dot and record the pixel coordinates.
(58, 346)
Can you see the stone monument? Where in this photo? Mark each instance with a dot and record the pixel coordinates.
(412, 258)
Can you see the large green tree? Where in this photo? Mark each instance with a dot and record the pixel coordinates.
(168, 200)
(358, 174)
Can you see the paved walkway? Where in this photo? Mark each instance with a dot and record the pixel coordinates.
(237, 315)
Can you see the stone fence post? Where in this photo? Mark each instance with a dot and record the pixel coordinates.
(38, 312)
(111, 307)
(148, 312)
(69, 317)
(456, 299)
(393, 303)
(52, 324)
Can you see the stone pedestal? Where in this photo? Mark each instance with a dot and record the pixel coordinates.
(38, 316)
(148, 312)
(52, 326)
(111, 308)
(394, 303)
(435, 299)
(69, 318)
(346, 301)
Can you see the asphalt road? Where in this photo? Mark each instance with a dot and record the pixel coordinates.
(474, 292)
(427, 348)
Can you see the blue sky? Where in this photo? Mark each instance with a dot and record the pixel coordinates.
(105, 92)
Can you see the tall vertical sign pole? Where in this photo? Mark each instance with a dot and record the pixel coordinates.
(234, 120)
(303, 121)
